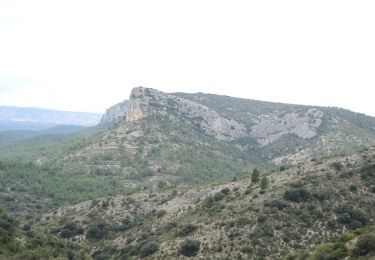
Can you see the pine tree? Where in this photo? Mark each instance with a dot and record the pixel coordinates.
(264, 183)
(255, 175)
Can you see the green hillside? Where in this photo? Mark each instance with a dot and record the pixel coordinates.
(291, 210)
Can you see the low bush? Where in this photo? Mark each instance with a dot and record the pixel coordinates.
(186, 229)
(189, 248)
(329, 251)
(98, 231)
(280, 205)
(364, 245)
(149, 248)
(297, 195)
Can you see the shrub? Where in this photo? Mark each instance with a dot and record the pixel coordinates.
(71, 229)
(353, 188)
(263, 231)
(210, 201)
(344, 218)
(264, 183)
(297, 195)
(243, 221)
(262, 218)
(337, 166)
(368, 172)
(280, 205)
(255, 175)
(99, 231)
(292, 256)
(329, 251)
(219, 196)
(186, 230)
(189, 247)
(351, 216)
(364, 245)
(225, 191)
(321, 195)
(149, 248)
(160, 213)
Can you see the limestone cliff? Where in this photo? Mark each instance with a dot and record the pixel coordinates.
(115, 113)
(146, 101)
(269, 129)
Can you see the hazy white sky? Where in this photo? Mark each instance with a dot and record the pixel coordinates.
(87, 55)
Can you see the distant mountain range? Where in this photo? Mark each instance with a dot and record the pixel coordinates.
(25, 118)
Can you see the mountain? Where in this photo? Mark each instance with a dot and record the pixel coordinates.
(20, 118)
(187, 138)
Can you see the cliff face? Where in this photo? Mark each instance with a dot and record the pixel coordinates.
(269, 128)
(145, 101)
(272, 128)
(115, 113)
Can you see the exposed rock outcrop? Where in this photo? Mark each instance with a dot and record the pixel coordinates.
(115, 113)
(146, 101)
(272, 128)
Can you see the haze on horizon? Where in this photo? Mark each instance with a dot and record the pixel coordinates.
(88, 55)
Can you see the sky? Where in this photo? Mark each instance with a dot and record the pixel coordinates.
(88, 55)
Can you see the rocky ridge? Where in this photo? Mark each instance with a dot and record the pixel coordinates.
(145, 101)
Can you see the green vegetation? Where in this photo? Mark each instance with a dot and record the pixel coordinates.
(16, 243)
(149, 248)
(186, 229)
(264, 183)
(27, 188)
(189, 247)
(255, 175)
(97, 231)
(365, 245)
(363, 241)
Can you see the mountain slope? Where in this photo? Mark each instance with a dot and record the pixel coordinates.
(291, 133)
(292, 211)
